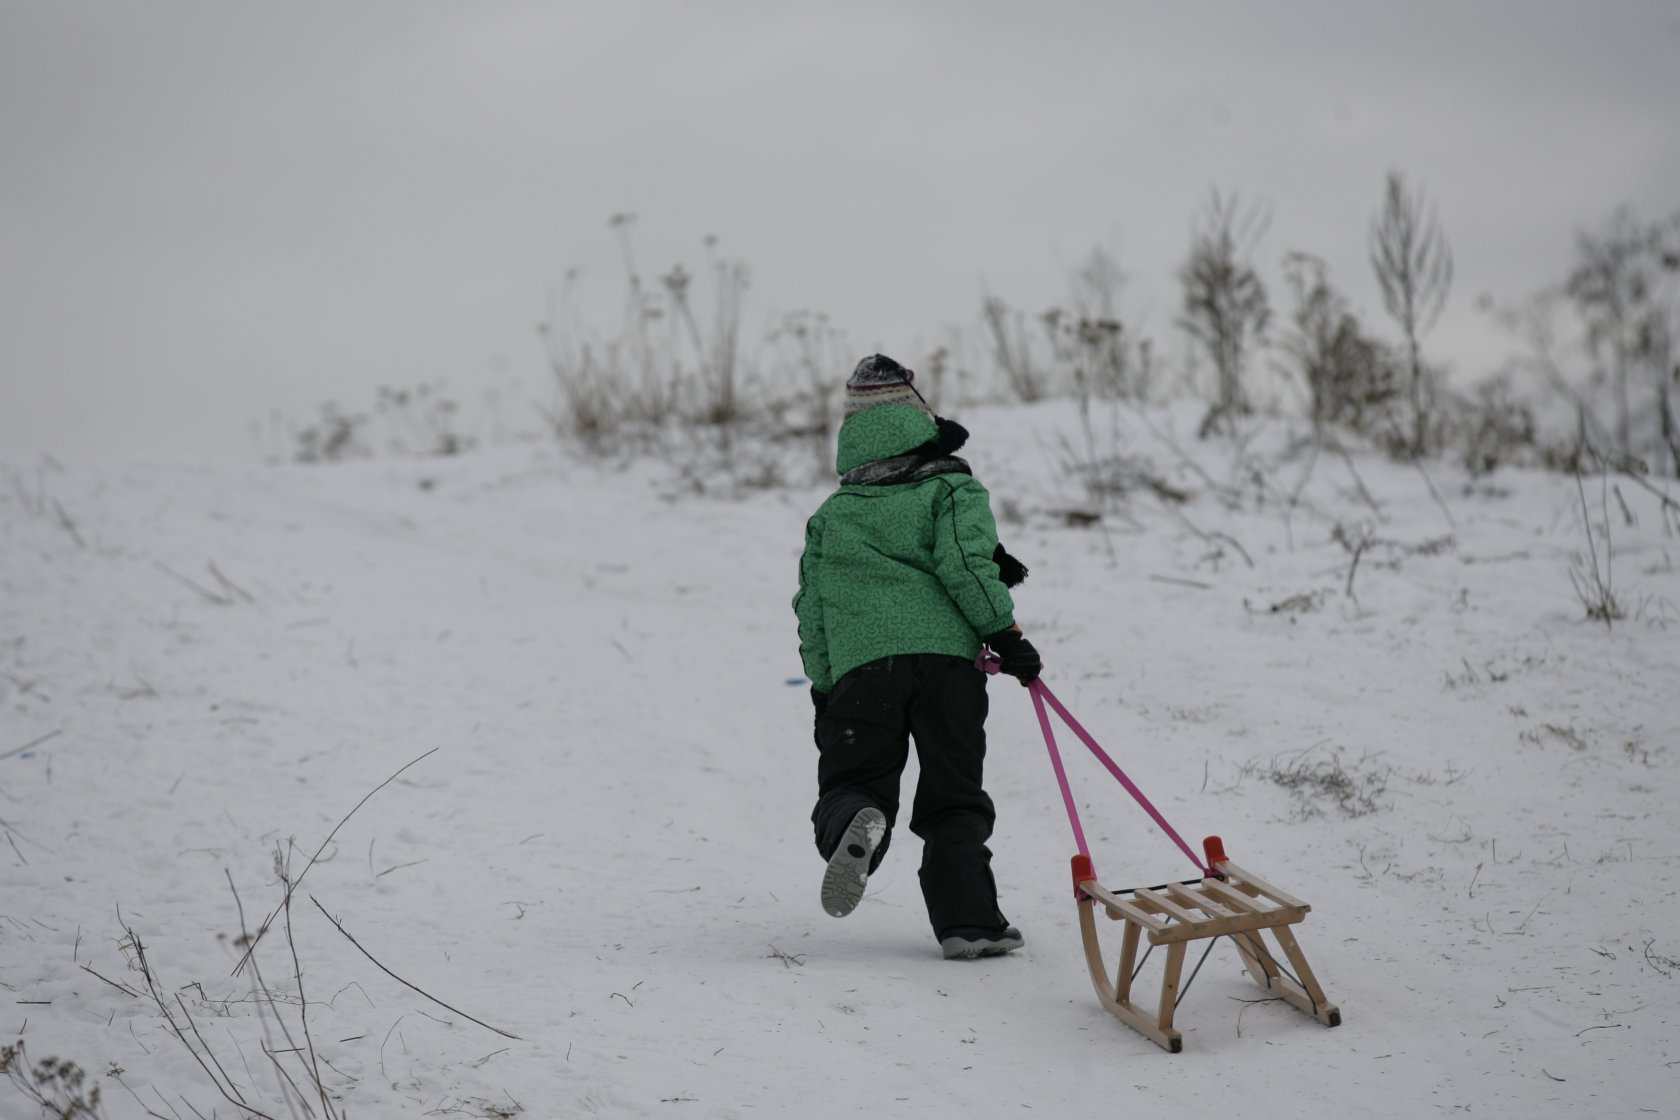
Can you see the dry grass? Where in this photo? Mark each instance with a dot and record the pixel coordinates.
(1320, 783)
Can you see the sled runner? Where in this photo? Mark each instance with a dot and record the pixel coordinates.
(1226, 901)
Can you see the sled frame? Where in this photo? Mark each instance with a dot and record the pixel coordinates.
(1230, 903)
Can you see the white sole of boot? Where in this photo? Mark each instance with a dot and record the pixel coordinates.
(962, 949)
(848, 868)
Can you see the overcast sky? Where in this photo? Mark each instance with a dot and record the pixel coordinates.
(213, 211)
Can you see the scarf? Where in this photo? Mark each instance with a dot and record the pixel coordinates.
(913, 466)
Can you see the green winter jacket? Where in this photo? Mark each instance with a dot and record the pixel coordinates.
(897, 569)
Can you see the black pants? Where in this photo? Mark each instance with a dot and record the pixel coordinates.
(864, 735)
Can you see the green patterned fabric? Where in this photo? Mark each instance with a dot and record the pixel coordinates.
(897, 569)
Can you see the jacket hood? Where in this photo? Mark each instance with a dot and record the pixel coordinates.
(881, 433)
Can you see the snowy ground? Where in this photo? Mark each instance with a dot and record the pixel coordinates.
(608, 853)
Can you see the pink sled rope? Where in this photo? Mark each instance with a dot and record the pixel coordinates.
(1041, 695)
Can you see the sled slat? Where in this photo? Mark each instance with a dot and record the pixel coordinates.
(1122, 908)
(1200, 899)
(1240, 901)
(1215, 927)
(1164, 905)
(1282, 898)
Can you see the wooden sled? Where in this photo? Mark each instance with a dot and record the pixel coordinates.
(1230, 903)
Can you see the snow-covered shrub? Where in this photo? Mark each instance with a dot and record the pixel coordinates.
(1492, 427)
(336, 435)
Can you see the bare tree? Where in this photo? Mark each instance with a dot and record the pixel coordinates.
(1103, 347)
(718, 355)
(1626, 287)
(1012, 351)
(811, 349)
(1225, 305)
(1349, 378)
(1533, 322)
(1608, 288)
(1414, 268)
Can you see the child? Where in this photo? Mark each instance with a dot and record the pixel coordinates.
(901, 581)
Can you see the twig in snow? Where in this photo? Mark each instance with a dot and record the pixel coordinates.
(1212, 536)
(143, 1106)
(1627, 514)
(1358, 482)
(340, 927)
(1183, 457)
(124, 988)
(31, 745)
(221, 600)
(1436, 494)
(333, 1002)
(209, 1053)
(228, 1092)
(1357, 548)
(303, 1012)
(387, 1039)
(260, 987)
(479, 1064)
(1636, 470)
(1249, 1003)
(1657, 961)
(1593, 586)
(1196, 583)
(228, 585)
(1294, 498)
(297, 1091)
(68, 525)
(293, 885)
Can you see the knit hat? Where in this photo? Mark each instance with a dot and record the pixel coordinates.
(880, 380)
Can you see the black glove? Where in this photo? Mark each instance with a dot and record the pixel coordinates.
(1019, 659)
(1010, 570)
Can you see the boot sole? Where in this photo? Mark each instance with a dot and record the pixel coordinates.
(961, 949)
(848, 868)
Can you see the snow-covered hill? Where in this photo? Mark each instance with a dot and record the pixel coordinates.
(602, 844)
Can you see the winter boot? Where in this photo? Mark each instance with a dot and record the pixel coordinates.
(848, 868)
(967, 942)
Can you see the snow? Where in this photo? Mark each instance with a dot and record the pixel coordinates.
(602, 844)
